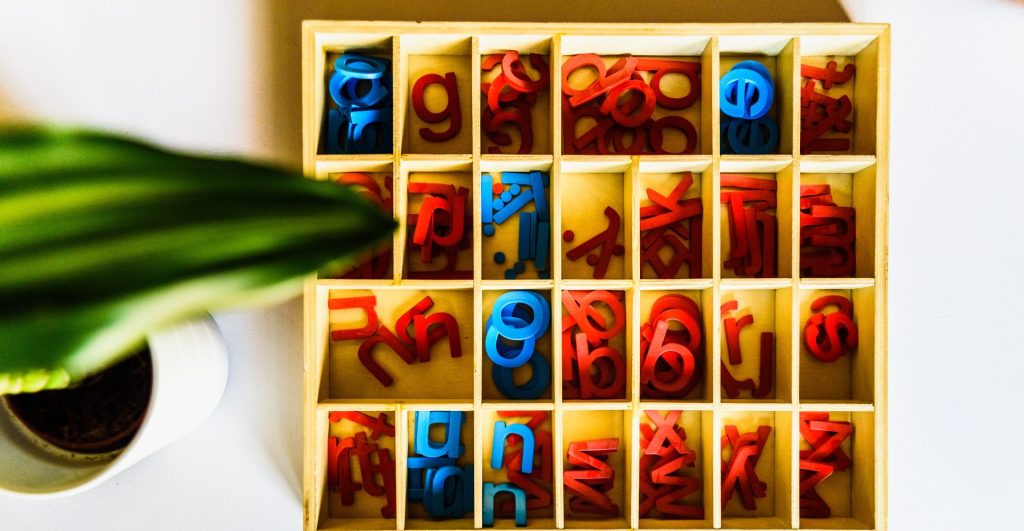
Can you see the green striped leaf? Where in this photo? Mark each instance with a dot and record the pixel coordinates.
(104, 239)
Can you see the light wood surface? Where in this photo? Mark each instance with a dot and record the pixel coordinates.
(859, 178)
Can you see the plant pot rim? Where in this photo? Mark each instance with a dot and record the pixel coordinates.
(107, 460)
(137, 448)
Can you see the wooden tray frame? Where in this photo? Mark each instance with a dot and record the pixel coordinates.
(869, 44)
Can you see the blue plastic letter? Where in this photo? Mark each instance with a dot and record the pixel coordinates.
(422, 444)
(491, 490)
(501, 432)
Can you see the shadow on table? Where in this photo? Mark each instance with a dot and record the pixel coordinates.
(9, 112)
(265, 345)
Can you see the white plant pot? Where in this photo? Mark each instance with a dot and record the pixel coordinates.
(190, 371)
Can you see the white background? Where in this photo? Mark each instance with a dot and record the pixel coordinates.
(207, 75)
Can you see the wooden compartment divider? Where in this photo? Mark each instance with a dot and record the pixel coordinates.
(851, 390)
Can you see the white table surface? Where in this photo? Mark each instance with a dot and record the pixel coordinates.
(206, 75)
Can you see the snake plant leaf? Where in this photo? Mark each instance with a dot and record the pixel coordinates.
(104, 239)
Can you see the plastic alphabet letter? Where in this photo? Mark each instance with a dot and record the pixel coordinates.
(451, 447)
(491, 491)
(501, 432)
(367, 304)
(452, 109)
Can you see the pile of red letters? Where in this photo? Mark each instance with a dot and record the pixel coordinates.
(824, 458)
(378, 263)
(442, 227)
(672, 361)
(821, 113)
(739, 472)
(588, 477)
(621, 103)
(828, 233)
(411, 347)
(753, 230)
(663, 484)
(374, 460)
(509, 98)
(674, 221)
(732, 327)
(591, 367)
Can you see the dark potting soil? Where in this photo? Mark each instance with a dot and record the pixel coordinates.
(100, 415)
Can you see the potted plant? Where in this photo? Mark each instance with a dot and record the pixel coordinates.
(63, 441)
(112, 252)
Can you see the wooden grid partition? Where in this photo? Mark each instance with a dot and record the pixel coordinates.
(853, 390)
